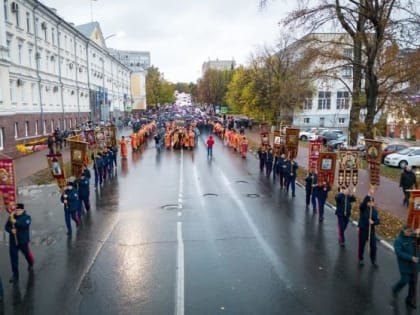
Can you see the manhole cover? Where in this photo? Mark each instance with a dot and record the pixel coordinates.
(210, 195)
(170, 207)
(241, 182)
(253, 195)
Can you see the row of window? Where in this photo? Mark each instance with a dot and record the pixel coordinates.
(324, 101)
(307, 121)
(28, 132)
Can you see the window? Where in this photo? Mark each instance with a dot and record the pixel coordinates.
(6, 10)
(27, 129)
(16, 130)
(348, 52)
(45, 28)
(321, 121)
(8, 44)
(341, 121)
(52, 126)
(47, 59)
(44, 127)
(20, 53)
(36, 128)
(307, 104)
(347, 72)
(343, 100)
(33, 93)
(37, 26)
(65, 42)
(306, 120)
(52, 36)
(324, 100)
(13, 91)
(1, 139)
(17, 12)
(28, 22)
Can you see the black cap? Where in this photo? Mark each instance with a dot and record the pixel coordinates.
(70, 183)
(20, 206)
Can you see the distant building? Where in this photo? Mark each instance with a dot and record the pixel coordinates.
(182, 99)
(138, 62)
(218, 65)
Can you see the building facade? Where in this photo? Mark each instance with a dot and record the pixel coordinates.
(138, 62)
(52, 75)
(329, 105)
(218, 65)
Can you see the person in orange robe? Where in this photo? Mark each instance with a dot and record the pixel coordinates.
(191, 138)
(134, 141)
(244, 147)
(123, 147)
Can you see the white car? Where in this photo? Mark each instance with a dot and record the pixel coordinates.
(310, 134)
(409, 156)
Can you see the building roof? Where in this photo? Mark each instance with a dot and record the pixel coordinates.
(88, 28)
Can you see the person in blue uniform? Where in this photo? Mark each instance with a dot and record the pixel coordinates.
(98, 169)
(310, 181)
(281, 166)
(269, 162)
(404, 246)
(344, 201)
(291, 173)
(83, 189)
(322, 196)
(368, 219)
(70, 199)
(18, 227)
(262, 156)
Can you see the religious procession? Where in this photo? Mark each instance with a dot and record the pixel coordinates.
(179, 134)
(230, 137)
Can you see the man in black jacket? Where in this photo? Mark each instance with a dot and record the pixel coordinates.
(407, 181)
(18, 228)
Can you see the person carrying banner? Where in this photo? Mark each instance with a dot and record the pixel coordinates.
(70, 199)
(291, 173)
(18, 227)
(344, 202)
(322, 196)
(408, 263)
(369, 218)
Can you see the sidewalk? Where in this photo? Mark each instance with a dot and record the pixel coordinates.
(28, 165)
(388, 195)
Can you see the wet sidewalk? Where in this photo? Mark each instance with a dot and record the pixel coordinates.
(388, 196)
(28, 165)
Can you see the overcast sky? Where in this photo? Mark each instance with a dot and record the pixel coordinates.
(181, 34)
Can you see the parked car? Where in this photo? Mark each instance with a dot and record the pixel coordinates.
(310, 134)
(330, 135)
(340, 142)
(409, 156)
(392, 148)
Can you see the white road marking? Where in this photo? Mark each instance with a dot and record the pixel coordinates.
(180, 272)
(181, 180)
(273, 258)
(197, 185)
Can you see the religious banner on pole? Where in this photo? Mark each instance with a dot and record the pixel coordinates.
(100, 139)
(373, 157)
(79, 157)
(348, 165)
(279, 144)
(265, 137)
(326, 167)
(413, 219)
(7, 182)
(56, 166)
(292, 142)
(113, 135)
(90, 138)
(315, 147)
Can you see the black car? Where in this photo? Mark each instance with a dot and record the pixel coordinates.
(328, 136)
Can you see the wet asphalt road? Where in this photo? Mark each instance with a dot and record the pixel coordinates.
(175, 233)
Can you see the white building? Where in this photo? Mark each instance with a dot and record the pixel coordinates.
(182, 99)
(52, 75)
(329, 105)
(217, 65)
(138, 62)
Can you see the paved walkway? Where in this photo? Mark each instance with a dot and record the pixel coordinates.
(388, 196)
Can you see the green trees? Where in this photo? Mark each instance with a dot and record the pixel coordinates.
(212, 87)
(375, 27)
(158, 90)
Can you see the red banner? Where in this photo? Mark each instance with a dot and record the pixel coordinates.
(373, 157)
(326, 167)
(315, 147)
(8, 183)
